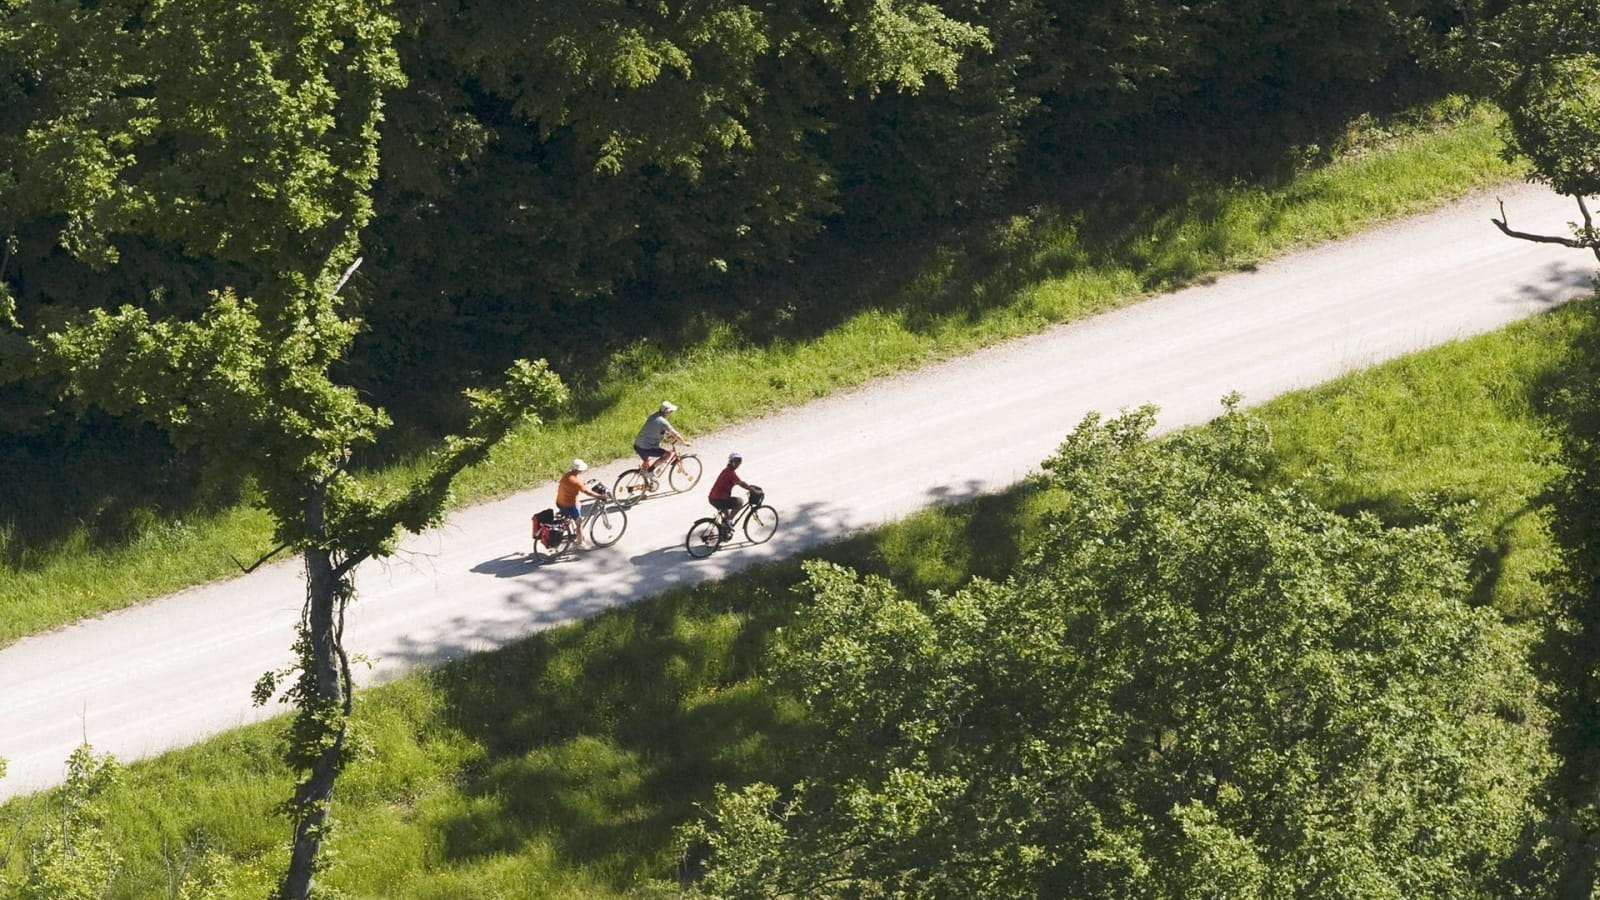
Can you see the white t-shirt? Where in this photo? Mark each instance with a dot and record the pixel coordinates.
(655, 428)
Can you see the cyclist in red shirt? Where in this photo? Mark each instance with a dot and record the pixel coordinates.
(721, 495)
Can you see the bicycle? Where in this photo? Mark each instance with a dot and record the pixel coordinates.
(604, 519)
(706, 536)
(682, 473)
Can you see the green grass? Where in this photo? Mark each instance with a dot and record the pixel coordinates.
(560, 765)
(1455, 423)
(1051, 265)
(1026, 273)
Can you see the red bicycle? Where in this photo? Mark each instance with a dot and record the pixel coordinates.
(681, 471)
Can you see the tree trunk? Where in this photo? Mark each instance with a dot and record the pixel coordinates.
(325, 709)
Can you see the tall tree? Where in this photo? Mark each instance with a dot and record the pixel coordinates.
(1194, 687)
(613, 144)
(243, 135)
(1540, 62)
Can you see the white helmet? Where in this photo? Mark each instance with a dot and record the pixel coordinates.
(667, 406)
(579, 465)
(735, 457)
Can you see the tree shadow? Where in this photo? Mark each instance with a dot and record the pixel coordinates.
(1129, 197)
(600, 736)
(1124, 193)
(603, 736)
(100, 481)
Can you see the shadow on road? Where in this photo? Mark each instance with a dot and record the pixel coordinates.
(1557, 283)
(599, 738)
(511, 565)
(587, 583)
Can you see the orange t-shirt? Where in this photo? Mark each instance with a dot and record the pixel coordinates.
(567, 490)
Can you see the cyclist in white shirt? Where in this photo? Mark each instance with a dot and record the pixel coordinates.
(656, 429)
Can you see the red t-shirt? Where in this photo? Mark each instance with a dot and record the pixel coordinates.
(723, 489)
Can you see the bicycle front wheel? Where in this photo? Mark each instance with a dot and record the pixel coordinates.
(607, 522)
(704, 538)
(685, 473)
(761, 524)
(631, 485)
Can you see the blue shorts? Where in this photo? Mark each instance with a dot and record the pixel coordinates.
(571, 512)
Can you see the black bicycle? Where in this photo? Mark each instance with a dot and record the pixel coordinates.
(707, 535)
(604, 520)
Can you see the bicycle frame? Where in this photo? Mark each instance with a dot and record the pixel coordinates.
(602, 507)
(677, 469)
(750, 502)
(666, 460)
(707, 535)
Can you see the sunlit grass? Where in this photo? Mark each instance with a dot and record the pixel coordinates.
(1047, 266)
(560, 766)
(1458, 423)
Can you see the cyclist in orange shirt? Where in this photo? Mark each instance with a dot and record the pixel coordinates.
(567, 490)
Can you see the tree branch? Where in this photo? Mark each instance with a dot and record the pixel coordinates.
(351, 270)
(257, 564)
(1590, 241)
(349, 563)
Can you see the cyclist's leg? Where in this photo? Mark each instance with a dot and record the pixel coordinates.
(574, 521)
(648, 457)
(726, 508)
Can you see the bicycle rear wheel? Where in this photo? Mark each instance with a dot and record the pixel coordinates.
(607, 522)
(631, 485)
(685, 473)
(548, 554)
(761, 524)
(704, 538)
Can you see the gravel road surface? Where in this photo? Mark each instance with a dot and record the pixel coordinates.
(180, 668)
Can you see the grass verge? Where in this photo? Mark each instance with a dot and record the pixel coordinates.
(1026, 273)
(559, 766)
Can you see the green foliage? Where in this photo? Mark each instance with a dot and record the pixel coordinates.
(1537, 61)
(74, 858)
(564, 762)
(1554, 113)
(273, 180)
(616, 144)
(1192, 686)
(1567, 656)
(229, 131)
(1111, 64)
(85, 551)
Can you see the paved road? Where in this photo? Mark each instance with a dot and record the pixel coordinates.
(175, 670)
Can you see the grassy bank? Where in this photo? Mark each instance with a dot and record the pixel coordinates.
(560, 765)
(1030, 271)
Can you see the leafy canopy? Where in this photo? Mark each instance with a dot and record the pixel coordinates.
(1193, 687)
